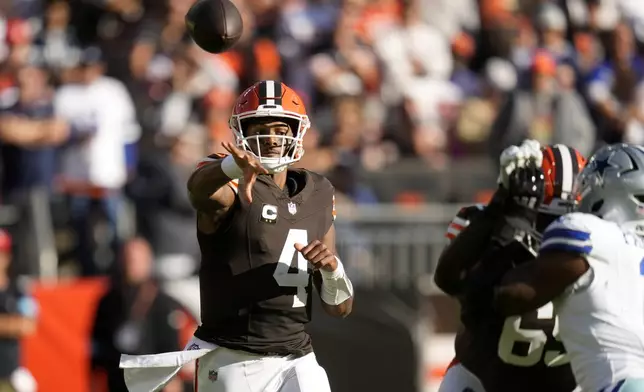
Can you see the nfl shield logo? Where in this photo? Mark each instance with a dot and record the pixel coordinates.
(292, 208)
(212, 375)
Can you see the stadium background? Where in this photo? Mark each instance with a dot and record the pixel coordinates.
(411, 103)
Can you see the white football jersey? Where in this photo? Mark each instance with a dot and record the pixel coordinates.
(601, 316)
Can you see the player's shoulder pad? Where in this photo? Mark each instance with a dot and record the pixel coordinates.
(324, 188)
(233, 184)
(571, 233)
(321, 183)
(463, 219)
(210, 158)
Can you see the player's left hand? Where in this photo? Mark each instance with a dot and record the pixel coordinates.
(318, 255)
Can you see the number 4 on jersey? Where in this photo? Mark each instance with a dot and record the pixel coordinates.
(298, 278)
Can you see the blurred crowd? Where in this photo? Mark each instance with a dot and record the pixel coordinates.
(106, 100)
(106, 105)
(108, 89)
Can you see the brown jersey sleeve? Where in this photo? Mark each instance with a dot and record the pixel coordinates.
(233, 184)
(462, 220)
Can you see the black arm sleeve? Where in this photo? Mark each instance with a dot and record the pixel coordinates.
(466, 248)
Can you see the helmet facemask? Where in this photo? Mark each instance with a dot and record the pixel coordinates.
(290, 145)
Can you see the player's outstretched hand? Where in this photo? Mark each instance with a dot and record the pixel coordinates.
(318, 255)
(249, 164)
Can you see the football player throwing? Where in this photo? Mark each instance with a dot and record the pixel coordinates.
(266, 235)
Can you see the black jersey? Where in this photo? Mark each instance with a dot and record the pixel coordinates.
(518, 353)
(255, 287)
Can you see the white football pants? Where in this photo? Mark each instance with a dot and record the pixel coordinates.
(459, 379)
(225, 370)
(219, 369)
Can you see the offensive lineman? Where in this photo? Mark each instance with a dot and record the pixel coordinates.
(266, 236)
(498, 354)
(591, 266)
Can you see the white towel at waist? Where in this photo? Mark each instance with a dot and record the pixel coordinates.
(149, 373)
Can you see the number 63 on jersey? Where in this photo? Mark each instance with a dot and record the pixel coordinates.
(529, 330)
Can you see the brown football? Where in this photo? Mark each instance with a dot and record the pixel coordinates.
(214, 25)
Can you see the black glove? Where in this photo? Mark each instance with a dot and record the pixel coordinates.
(526, 187)
(524, 194)
(520, 210)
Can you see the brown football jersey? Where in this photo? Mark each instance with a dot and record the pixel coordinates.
(256, 288)
(519, 353)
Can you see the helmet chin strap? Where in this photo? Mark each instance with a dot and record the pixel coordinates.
(274, 170)
(291, 152)
(274, 165)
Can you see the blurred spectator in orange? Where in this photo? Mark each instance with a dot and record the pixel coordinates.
(589, 53)
(463, 50)
(499, 29)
